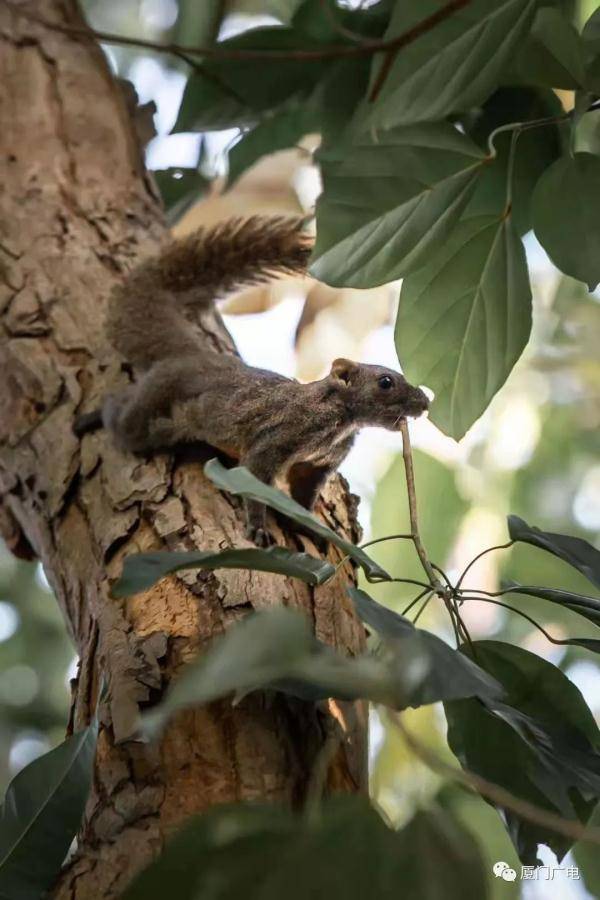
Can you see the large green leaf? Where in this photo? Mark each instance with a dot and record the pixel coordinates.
(576, 551)
(449, 673)
(261, 648)
(40, 815)
(588, 607)
(228, 92)
(243, 483)
(541, 743)
(264, 853)
(142, 570)
(536, 149)
(276, 649)
(464, 319)
(568, 193)
(552, 54)
(591, 33)
(451, 67)
(390, 200)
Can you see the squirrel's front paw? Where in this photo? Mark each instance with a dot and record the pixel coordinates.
(259, 536)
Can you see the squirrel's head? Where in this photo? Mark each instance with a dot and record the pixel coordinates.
(377, 395)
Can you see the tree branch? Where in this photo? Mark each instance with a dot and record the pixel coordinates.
(331, 51)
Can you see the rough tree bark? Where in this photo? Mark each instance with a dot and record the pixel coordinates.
(77, 211)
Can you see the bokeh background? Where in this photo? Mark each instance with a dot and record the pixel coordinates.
(534, 453)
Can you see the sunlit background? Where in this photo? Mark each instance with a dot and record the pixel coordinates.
(534, 452)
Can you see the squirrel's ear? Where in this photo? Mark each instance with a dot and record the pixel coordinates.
(343, 370)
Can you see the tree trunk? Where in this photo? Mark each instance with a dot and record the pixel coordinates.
(78, 210)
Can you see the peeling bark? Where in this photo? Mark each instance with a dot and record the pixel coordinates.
(78, 210)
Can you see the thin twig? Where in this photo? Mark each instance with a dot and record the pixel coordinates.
(422, 608)
(479, 555)
(330, 51)
(495, 792)
(415, 600)
(412, 508)
(463, 627)
(442, 573)
(389, 537)
(519, 612)
(454, 622)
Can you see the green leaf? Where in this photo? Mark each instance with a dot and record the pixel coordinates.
(229, 92)
(588, 607)
(41, 813)
(243, 483)
(142, 570)
(568, 192)
(197, 24)
(277, 132)
(180, 189)
(276, 650)
(209, 104)
(253, 653)
(587, 858)
(432, 844)
(552, 54)
(390, 200)
(541, 744)
(223, 854)
(324, 20)
(578, 553)
(536, 149)
(451, 67)
(464, 319)
(591, 32)
(449, 674)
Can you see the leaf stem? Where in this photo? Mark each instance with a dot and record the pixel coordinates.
(422, 608)
(519, 612)
(415, 600)
(524, 126)
(389, 537)
(479, 555)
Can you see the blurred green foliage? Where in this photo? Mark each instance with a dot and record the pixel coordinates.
(35, 662)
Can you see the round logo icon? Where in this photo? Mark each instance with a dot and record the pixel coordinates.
(499, 867)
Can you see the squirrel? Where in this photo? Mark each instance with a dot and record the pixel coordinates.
(188, 392)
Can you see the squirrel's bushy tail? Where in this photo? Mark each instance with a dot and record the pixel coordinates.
(151, 313)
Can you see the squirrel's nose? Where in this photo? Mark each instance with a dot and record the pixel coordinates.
(419, 400)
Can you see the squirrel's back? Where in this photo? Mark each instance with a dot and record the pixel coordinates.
(150, 312)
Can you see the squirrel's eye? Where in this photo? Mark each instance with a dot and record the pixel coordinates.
(385, 382)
